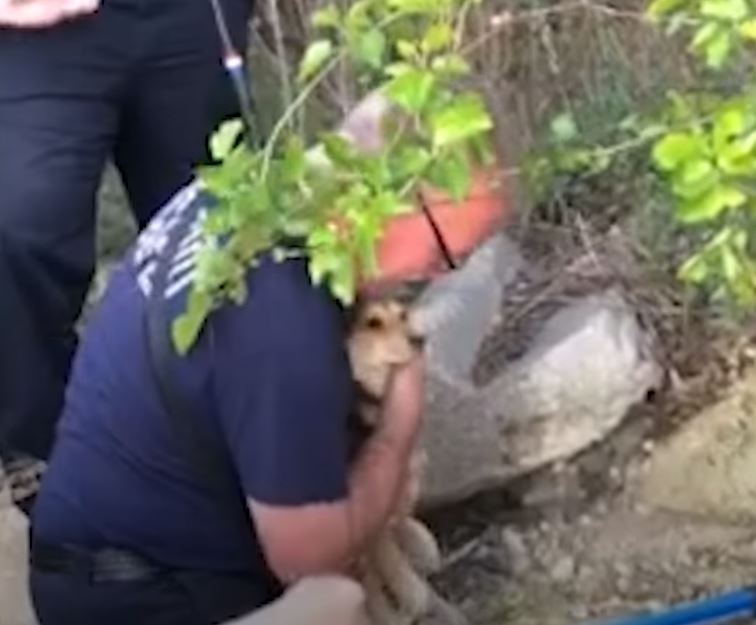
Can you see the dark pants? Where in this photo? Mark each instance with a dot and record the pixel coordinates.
(177, 599)
(141, 82)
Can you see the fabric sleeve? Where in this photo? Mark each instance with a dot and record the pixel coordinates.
(284, 389)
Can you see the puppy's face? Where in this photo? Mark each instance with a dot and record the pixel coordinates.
(380, 339)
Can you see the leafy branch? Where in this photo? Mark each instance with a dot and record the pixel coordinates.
(703, 145)
(279, 202)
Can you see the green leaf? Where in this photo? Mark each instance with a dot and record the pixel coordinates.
(294, 160)
(342, 281)
(694, 178)
(223, 140)
(747, 29)
(563, 127)
(316, 55)
(411, 89)
(452, 174)
(731, 265)
(736, 158)
(327, 17)
(427, 7)
(450, 65)
(186, 327)
(395, 70)
(711, 205)
(695, 269)
(370, 48)
(358, 17)
(724, 9)
(661, 7)
(463, 118)
(675, 148)
(705, 33)
(410, 161)
(339, 150)
(714, 41)
(408, 50)
(438, 37)
(729, 122)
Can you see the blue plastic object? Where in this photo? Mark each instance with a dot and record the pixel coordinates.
(737, 604)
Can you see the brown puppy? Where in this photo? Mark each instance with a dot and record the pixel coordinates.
(380, 339)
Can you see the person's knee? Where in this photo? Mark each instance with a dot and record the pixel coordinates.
(46, 211)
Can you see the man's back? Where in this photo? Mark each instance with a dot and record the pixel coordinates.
(274, 379)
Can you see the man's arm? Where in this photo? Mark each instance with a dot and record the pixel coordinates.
(325, 538)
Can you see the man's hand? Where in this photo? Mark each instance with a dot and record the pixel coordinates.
(299, 541)
(42, 13)
(404, 401)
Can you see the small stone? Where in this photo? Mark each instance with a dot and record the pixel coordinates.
(615, 474)
(648, 446)
(623, 585)
(580, 612)
(517, 551)
(564, 569)
(655, 605)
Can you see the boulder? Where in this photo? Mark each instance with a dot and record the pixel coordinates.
(590, 362)
(707, 467)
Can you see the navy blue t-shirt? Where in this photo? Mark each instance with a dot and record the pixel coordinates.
(274, 380)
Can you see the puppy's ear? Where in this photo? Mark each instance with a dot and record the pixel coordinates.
(363, 126)
(351, 313)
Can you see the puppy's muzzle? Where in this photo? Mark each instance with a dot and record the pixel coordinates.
(417, 341)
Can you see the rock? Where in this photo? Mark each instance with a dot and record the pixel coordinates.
(516, 551)
(590, 363)
(564, 569)
(707, 468)
(458, 309)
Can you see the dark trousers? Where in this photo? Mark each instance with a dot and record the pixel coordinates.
(176, 599)
(139, 82)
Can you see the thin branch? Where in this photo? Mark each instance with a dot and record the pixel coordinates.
(283, 66)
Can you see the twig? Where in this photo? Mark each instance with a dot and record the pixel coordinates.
(461, 553)
(283, 66)
(507, 18)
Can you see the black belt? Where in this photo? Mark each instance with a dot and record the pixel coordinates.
(103, 565)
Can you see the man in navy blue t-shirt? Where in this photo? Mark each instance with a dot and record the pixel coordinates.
(271, 378)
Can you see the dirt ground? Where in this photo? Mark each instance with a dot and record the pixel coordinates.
(562, 556)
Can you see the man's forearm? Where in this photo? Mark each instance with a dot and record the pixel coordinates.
(376, 482)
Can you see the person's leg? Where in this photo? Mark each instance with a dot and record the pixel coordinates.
(177, 98)
(68, 600)
(58, 90)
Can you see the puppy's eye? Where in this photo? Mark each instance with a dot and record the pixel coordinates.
(374, 323)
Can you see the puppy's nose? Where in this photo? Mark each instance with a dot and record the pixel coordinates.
(417, 341)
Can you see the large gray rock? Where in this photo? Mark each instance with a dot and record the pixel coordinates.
(588, 365)
(457, 310)
(708, 467)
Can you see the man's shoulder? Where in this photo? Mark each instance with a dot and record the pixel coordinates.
(182, 216)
